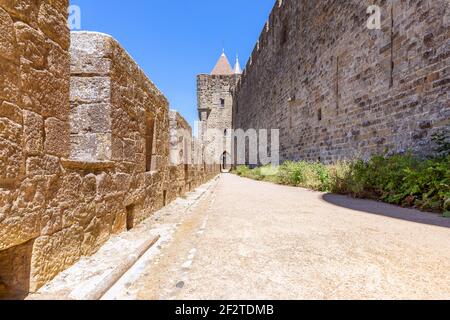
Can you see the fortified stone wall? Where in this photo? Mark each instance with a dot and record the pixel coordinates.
(34, 132)
(183, 173)
(119, 120)
(181, 141)
(337, 90)
(73, 171)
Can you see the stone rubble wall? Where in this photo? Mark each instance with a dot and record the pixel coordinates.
(337, 90)
(72, 144)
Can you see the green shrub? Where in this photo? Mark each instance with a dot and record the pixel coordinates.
(242, 171)
(340, 178)
(442, 142)
(404, 180)
(400, 179)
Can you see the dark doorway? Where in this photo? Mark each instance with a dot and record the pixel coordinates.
(15, 269)
(225, 163)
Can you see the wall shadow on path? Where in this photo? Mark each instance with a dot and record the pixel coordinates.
(387, 210)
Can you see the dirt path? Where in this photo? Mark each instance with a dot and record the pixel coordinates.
(256, 240)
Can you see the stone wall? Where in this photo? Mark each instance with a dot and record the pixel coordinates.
(34, 108)
(186, 171)
(181, 140)
(337, 90)
(84, 145)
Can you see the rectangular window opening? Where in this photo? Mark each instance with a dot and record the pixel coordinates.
(222, 103)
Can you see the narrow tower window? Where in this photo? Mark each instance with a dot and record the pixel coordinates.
(222, 103)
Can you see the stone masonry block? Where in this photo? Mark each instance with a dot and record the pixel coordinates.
(51, 255)
(90, 90)
(44, 93)
(56, 137)
(41, 166)
(12, 112)
(8, 41)
(54, 24)
(92, 118)
(25, 10)
(11, 160)
(32, 44)
(91, 146)
(10, 131)
(9, 81)
(80, 64)
(58, 64)
(33, 133)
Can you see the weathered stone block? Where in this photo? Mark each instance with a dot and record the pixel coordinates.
(129, 150)
(9, 81)
(89, 187)
(11, 160)
(32, 44)
(11, 131)
(92, 118)
(56, 137)
(24, 10)
(105, 184)
(122, 125)
(91, 146)
(90, 46)
(117, 149)
(51, 221)
(40, 166)
(54, 24)
(90, 89)
(8, 43)
(51, 255)
(12, 112)
(44, 93)
(86, 64)
(58, 64)
(23, 222)
(33, 133)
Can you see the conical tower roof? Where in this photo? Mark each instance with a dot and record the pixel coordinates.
(223, 66)
(237, 67)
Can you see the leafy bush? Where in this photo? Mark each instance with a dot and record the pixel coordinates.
(404, 180)
(442, 142)
(401, 179)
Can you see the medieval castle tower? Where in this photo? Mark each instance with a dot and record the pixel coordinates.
(215, 105)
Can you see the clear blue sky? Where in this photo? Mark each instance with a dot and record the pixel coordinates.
(175, 40)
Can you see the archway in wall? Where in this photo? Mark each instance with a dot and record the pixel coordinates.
(225, 163)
